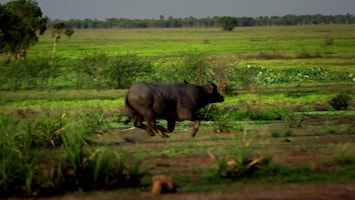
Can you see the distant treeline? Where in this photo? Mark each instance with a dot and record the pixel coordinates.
(172, 22)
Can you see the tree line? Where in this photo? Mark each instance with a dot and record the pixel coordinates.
(172, 22)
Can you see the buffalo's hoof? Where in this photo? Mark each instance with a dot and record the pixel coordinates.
(164, 135)
(151, 133)
(162, 129)
(194, 132)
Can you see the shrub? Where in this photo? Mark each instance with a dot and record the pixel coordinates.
(90, 71)
(195, 68)
(275, 134)
(340, 101)
(220, 117)
(240, 166)
(291, 118)
(27, 74)
(328, 41)
(125, 69)
(247, 114)
(344, 154)
(247, 76)
(271, 55)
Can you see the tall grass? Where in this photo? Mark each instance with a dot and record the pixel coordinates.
(50, 153)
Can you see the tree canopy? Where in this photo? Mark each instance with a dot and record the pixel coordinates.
(227, 23)
(20, 23)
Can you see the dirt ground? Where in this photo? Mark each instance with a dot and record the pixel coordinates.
(326, 191)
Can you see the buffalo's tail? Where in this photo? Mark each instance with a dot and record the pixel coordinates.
(128, 110)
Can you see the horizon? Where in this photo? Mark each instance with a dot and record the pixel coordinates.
(153, 9)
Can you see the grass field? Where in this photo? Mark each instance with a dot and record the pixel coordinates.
(274, 47)
(309, 145)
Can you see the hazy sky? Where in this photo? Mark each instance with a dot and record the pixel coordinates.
(102, 9)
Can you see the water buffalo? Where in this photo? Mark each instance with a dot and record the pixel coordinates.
(170, 101)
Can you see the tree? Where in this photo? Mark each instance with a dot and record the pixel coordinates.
(58, 29)
(227, 23)
(28, 18)
(9, 29)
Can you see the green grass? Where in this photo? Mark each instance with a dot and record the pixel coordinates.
(279, 95)
(243, 44)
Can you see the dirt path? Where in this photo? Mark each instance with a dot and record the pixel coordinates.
(326, 191)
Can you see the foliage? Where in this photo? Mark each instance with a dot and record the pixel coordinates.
(340, 101)
(101, 71)
(291, 118)
(57, 31)
(170, 21)
(10, 29)
(224, 118)
(125, 69)
(248, 114)
(220, 116)
(27, 74)
(89, 71)
(24, 34)
(227, 23)
(28, 169)
(240, 166)
(345, 154)
(258, 74)
(194, 68)
(246, 76)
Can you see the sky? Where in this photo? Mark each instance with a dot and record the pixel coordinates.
(140, 9)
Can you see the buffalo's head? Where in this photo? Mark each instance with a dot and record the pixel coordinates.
(213, 95)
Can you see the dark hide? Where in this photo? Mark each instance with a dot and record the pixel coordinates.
(170, 101)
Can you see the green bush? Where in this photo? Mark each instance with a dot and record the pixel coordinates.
(340, 101)
(27, 74)
(195, 68)
(220, 116)
(89, 71)
(124, 69)
(246, 114)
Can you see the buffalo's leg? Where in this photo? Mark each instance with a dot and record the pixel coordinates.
(138, 122)
(159, 129)
(196, 128)
(171, 125)
(188, 115)
(153, 127)
(162, 130)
